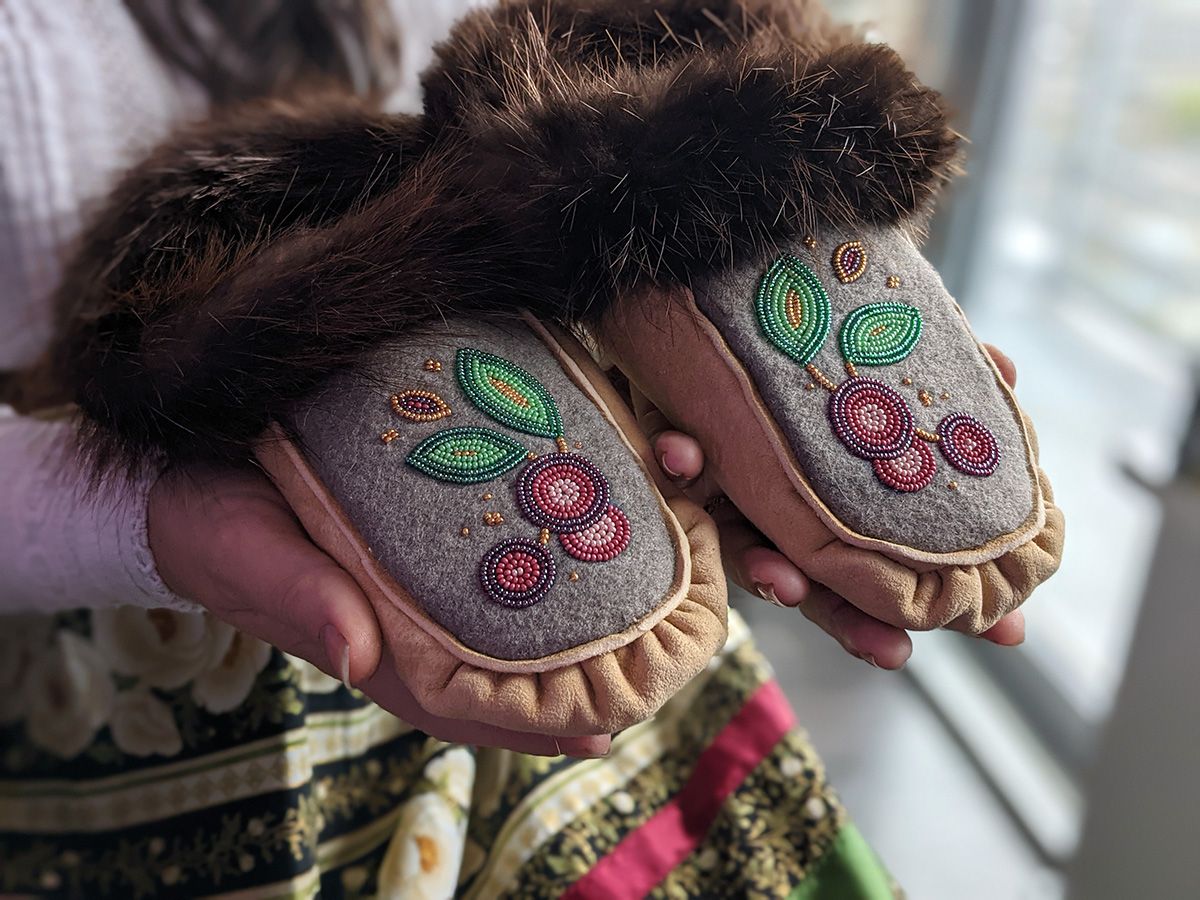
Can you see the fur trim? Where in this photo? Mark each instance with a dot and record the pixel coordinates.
(631, 175)
(514, 39)
(244, 262)
(195, 365)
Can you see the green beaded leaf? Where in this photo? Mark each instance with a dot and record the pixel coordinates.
(880, 334)
(466, 455)
(508, 393)
(793, 309)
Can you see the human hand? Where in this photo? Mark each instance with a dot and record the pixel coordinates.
(228, 540)
(754, 564)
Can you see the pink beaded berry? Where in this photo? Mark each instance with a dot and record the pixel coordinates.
(563, 492)
(968, 445)
(871, 419)
(517, 573)
(909, 472)
(601, 541)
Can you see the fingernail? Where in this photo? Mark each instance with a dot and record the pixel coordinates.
(668, 469)
(337, 652)
(868, 659)
(767, 592)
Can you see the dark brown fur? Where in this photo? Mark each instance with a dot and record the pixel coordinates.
(243, 263)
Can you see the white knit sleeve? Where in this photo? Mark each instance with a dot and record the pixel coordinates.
(61, 546)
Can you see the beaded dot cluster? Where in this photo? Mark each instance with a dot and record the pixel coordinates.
(467, 455)
(562, 492)
(508, 393)
(850, 261)
(880, 334)
(517, 573)
(911, 471)
(420, 406)
(601, 541)
(793, 309)
(968, 445)
(871, 419)
(433, 365)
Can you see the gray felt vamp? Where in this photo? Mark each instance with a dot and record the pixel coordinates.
(896, 417)
(493, 489)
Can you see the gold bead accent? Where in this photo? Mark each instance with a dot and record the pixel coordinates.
(441, 409)
(810, 242)
(574, 576)
(390, 435)
(929, 436)
(562, 445)
(544, 537)
(926, 398)
(893, 281)
(851, 370)
(489, 496)
(819, 377)
(531, 455)
(810, 387)
(945, 395)
(433, 365)
(466, 532)
(953, 485)
(493, 519)
(906, 381)
(579, 445)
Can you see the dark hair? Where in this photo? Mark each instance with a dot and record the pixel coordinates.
(244, 49)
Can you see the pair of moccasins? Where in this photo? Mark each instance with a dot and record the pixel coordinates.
(723, 199)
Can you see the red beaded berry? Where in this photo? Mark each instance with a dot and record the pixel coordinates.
(871, 419)
(601, 541)
(968, 445)
(517, 573)
(909, 472)
(562, 492)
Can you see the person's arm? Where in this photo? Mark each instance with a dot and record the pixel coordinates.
(62, 546)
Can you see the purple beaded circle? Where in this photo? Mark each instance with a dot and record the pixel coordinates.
(517, 573)
(562, 492)
(968, 445)
(871, 419)
(909, 472)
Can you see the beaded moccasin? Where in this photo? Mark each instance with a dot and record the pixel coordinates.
(490, 493)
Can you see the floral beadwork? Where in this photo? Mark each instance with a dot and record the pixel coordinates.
(873, 421)
(601, 541)
(562, 492)
(420, 406)
(517, 573)
(508, 393)
(793, 309)
(880, 334)
(968, 445)
(466, 455)
(909, 472)
(559, 492)
(850, 261)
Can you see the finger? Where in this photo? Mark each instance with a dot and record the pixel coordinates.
(1009, 631)
(1008, 369)
(284, 589)
(882, 645)
(679, 455)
